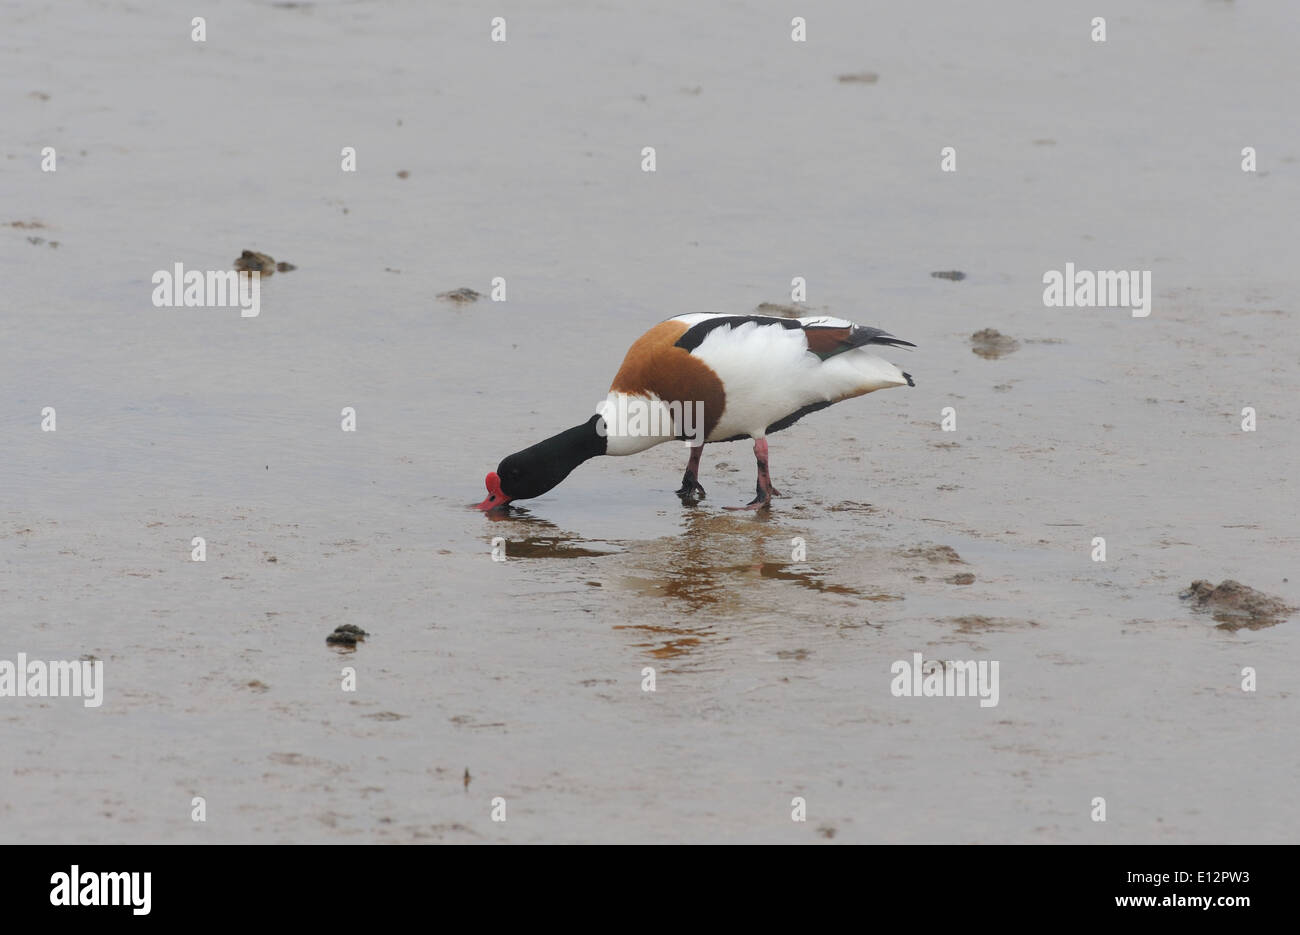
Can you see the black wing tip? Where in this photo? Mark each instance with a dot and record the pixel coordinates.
(862, 335)
(908, 377)
(890, 341)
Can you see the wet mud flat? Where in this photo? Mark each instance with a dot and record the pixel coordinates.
(530, 674)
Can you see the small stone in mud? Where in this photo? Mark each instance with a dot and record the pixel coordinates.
(250, 261)
(860, 77)
(1236, 606)
(991, 343)
(955, 275)
(259, 686)
(347, 635)
(460, 296)
(964, 578)
(403, 174)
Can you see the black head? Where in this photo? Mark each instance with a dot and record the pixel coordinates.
(533, 471)
(530, 473)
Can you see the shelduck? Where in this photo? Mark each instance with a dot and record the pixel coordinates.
(710, 378)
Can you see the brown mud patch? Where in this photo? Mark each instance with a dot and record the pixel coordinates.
(1235, 606)
(250, 261)
(992, 344)
(936, 554)
(460, 296)
(978, 623)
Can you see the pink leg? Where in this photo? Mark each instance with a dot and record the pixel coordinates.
(691, 489)
(765, 490)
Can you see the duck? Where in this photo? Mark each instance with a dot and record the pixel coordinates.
(706, 379)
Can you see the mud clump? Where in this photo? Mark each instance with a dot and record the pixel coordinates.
(460, 296)
(991, 344)
(852, 506)
(955, 275)
(1236, 606)
(250, 261)
(964, 578)
(936, 554)
(859, 77)
(346, 635)
(978, 623)
(777, 310)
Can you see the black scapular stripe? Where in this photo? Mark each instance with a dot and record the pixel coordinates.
(695, 336)
(858, 336)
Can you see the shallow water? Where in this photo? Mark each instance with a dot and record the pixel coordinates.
(772, 674)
